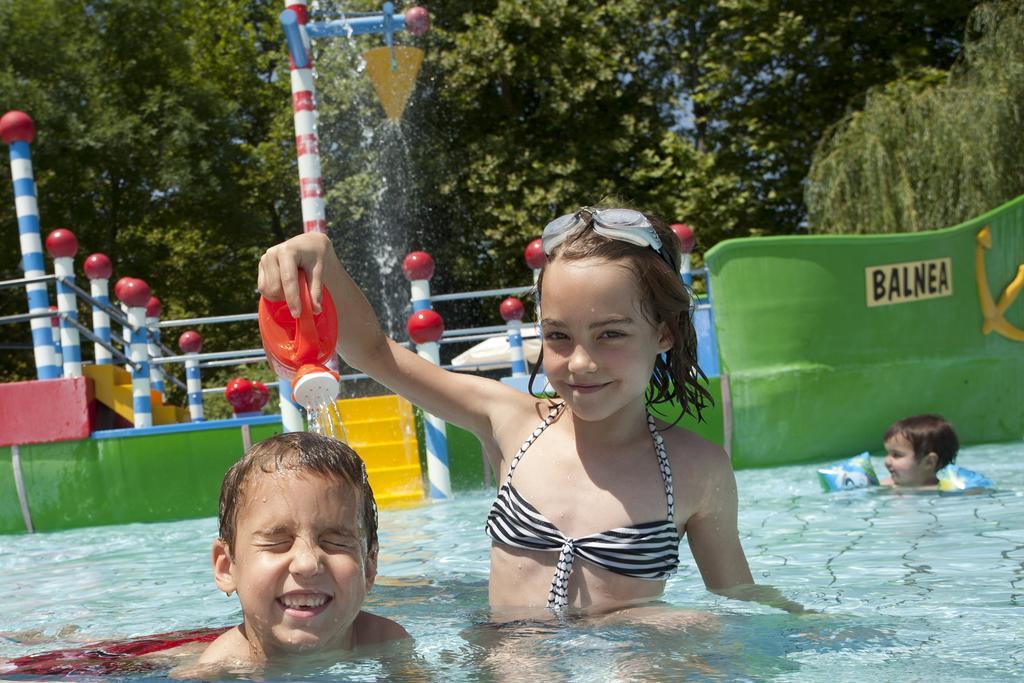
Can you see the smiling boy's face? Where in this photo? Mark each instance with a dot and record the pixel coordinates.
(299, 563)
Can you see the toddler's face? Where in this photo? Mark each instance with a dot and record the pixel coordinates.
(299, 564)
(904, 468)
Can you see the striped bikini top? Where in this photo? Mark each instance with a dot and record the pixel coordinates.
(643, 551)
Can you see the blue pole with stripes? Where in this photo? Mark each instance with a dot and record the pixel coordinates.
(134, 293)
(156, 374)
(190, 344)
(98, 269)
(512, 311)
(58, 357)
(425, 328)
(17, 130)
(62, 246)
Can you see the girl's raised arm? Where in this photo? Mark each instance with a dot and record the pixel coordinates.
(465, 400)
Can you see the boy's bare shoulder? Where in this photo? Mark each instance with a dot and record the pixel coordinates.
(372, 629)
(228, 651)
(229, 645)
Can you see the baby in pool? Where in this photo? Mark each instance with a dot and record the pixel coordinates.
(298, 544)
(916, 448)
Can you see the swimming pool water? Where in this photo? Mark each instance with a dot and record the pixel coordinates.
(910, 587)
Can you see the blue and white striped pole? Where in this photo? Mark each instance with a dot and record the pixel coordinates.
(17, 130)
(62, 246)
(135, 294)
(535, 260)
(126, 330)
(190, 344)
(156, 374)
(58, 357)
(98, 269)
(512, 312)
(425, 328)
(684, 233)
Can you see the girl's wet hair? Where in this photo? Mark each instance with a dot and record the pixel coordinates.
(927, 434)
(663, 298)
(297, 452)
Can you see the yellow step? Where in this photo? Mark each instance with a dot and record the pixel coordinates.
(113, 387)
(382, 430)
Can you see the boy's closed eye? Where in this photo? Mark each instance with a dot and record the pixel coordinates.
(338, 542)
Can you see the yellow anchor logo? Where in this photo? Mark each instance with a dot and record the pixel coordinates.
(992, 311)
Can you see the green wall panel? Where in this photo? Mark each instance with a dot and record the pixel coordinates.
(10, 510)
(816, 373)
(122, 479)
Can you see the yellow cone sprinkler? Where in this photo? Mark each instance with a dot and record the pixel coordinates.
(393, 70)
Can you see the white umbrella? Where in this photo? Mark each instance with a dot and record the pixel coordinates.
(493, 353)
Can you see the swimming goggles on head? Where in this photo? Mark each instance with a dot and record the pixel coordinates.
(625, 225)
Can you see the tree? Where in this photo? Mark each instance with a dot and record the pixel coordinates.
(160, 141)
(764, 80)
(931, 151)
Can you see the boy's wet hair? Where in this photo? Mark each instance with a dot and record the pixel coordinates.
(927, 434)
(297, 452)
(663, 298)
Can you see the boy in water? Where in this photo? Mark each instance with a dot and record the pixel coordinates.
(298, 544)
(916, 448)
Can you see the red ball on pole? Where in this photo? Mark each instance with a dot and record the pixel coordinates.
(684, 233)
(54, 320)
(425, 326)
(534, 254)
(119, 287)
(154, 307)
(17, 126)
(512, 309)
(190, 342)
(61, 243)
(134, 292)
(417, 20)
(238, 393)
(418, 265)
(260, 395)
(98, 267)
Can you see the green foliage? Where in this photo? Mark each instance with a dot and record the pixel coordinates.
(765, 79)
(933, 150)
(162, 140)
(166, 140)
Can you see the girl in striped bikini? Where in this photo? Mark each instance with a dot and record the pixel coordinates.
(596, 492)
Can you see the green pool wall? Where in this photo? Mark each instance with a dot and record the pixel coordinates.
(814, 373)
(118, 480)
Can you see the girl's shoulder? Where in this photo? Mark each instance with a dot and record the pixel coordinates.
(689, 451)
